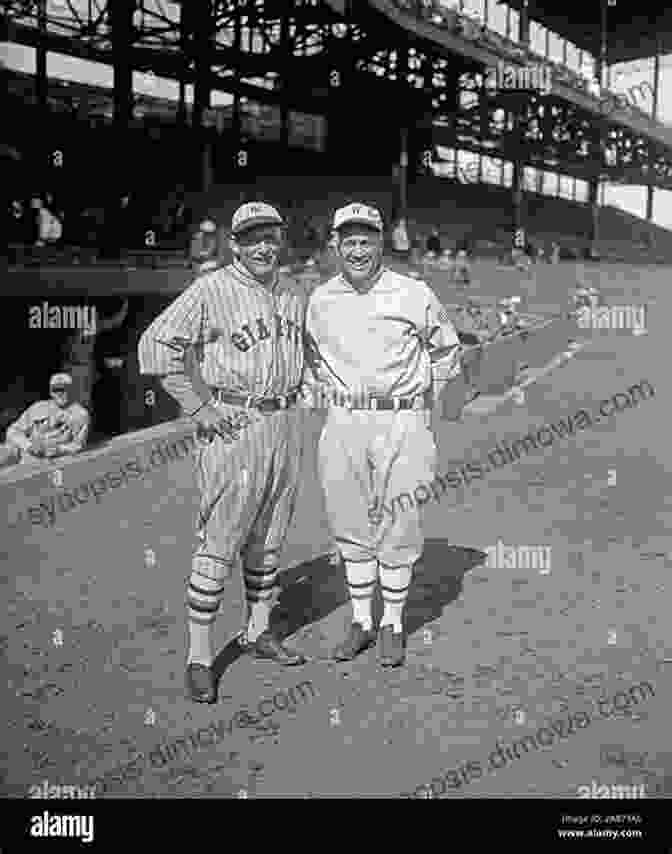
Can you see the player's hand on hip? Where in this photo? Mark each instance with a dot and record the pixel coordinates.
(223, 421)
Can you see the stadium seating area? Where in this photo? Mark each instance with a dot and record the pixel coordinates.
(480, 213)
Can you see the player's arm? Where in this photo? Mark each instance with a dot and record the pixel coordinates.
(316, 377)
(169, 349)
(440, 337)
(18, 433)
(80, 433)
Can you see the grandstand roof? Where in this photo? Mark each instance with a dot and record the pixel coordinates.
(631, 34)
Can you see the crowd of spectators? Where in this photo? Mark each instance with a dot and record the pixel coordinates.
(106, 228)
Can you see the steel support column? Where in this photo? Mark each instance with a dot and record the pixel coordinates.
(518, 168)
(593, 202)
(182, 100)
(204, 31)
(654, 116)
(524, 25)
(121, 13)
(285, 61)
(41, 57)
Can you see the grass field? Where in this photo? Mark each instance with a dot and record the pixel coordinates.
(93, 633)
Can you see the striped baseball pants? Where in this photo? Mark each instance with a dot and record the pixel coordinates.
(248, 494)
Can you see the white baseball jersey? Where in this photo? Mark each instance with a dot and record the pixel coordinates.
(66, 427)
(373, 342)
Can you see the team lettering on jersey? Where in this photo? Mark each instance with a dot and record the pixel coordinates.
(247, 338)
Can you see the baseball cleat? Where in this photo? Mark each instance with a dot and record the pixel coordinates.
(358, 640)
(200, 683)
(390, 647)
(268, 647)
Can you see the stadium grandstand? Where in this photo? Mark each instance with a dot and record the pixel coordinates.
(520, 159)
(135, 121)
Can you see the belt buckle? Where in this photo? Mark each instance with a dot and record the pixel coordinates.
(282, 401)
(396, 404)
(248, 401)
(373, 403)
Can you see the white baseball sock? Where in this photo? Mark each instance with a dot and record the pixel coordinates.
(259, 593)
(203, 597)
(361, 578)
(394, 585)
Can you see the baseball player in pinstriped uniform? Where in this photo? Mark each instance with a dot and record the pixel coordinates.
(230, 350)
(373, 336)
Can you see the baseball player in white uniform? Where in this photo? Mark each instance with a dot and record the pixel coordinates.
(230, 351)
(373, 336)
(48, 429)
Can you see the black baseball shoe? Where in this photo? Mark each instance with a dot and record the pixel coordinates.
(201, 684)
(268, 647)
(358, 640)
(390, 647)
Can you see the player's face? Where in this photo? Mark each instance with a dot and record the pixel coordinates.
(258, 249)
(59, 395)
(361, 251)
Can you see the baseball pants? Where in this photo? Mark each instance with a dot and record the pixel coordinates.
(369, 460)
(248, 494)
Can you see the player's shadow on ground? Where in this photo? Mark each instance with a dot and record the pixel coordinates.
(437, 581)
(315, 589)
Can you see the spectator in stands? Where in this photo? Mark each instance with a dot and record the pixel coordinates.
(48, 227)
(48, 429)
(119, 233)
(206, 247)
(180, 216)
(19, 226)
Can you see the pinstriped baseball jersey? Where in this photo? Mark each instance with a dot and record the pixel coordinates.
(371, 342)
(249, 338)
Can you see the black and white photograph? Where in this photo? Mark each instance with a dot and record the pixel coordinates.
(333, 432)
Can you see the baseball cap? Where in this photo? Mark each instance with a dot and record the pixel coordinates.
(254, 213)
(60, 381)
(358, 213)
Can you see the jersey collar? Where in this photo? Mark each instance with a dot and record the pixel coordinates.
(246, 278)
(376, 278)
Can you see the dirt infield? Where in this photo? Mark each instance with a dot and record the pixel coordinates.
(93, 633)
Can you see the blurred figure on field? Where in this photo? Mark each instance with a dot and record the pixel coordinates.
(79, 354)
(207, 247)
(462, 265)
(434, 244)
(48, 227)
(110, 357)
(401, 243)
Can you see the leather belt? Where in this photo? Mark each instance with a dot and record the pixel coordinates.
(252, 401)
(379, 403)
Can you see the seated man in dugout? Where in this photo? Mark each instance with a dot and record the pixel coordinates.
(48, 429)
